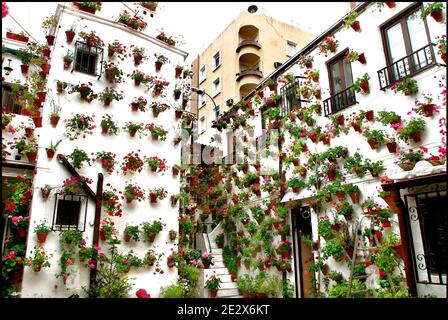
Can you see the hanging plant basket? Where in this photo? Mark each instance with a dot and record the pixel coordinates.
(406, 166)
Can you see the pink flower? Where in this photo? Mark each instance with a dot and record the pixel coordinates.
(69, 262)
(5, 10)
(96, 247)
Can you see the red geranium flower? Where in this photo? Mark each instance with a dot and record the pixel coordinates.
(141, 293)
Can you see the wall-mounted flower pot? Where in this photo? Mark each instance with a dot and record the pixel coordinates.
(428, 109)
(45, 68)
(325, 139)
(340, 195)
(437, 15)
(16, 277)
(362, 58)
(107, 102)
(356, 127)
(137, 82)
(42, 95)
(184, 103)
(127, 237)
(296, 190)
(341, 120)
(178, 114)
(158, 66)
(46, 52)
(42, 237)
(50, 40)
(151, 237)
(25, 68)
(406, 166)
(178, 72)
(390, 4)
(356, 26)
(70, 36)
(29, 132)
(175, 171)
(416, 136)
(370, 115)
(153, 197)
(137, 60)
(50, 153)
(67, 63)
(355, 196)
(85, 9)
(18, 37)
(102, 235)
(443, 56)
(155, 114)
(392, 147)
(373, 144)
(37, 122)
(364, 87)
(104, 129)
(331, 175)
(31, 156)
(177, 95)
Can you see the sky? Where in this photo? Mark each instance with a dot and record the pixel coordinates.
(199, 23)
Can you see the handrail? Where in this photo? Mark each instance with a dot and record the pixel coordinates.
(407, 66)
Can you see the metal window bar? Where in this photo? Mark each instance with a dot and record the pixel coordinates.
(87, 53)
(339, 101)
(290, 100)
(408, 66)
(83, 199)
(423, 261)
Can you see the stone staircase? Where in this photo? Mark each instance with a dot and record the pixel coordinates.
(228, 288)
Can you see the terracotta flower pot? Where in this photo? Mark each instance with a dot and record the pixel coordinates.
(373, 144)
(24, 68)
(175, 171)
(406, 166)
(67, 63)
(356, 26)
(296, 190)
(370, 115)
(390, 4)
(151, 237)
(443, 56)
(416, 136)
(37, 121)
(50, 153)
(178, 72)
(331, 175)
(42, 95)
(102, 235)
(31, 156)
(50, 40)
(158, 66)
(41, 237)
(45, 68)
(54, 120)
(341, 119)
(85, 9)
(46, 52)
(213, 293)
(127, 237)
(356, 127)
(437, 15)
(177, 95)
(428, 109)
(132, 132)
(70, 36)
(153, 197)
(104, 129)
(365, 87)
(362, 58)
(340, 195)
(29, 132)
(16, 277)
(392, 147)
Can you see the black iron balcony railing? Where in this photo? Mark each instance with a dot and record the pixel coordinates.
(408, 66)
(88, 59)
(339, 101)
(290, 99)
(244, 43)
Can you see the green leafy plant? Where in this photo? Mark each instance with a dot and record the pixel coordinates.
(78, 156)
(350, 19)
(432, 7)
(407, 85)
(334, 249)
(133, 232)
(413, 126)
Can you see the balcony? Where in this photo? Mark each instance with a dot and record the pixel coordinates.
(408, 66)
(290, 100)
(249, 72)
(248, 43)
(339, 101)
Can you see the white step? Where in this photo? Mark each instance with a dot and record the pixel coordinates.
(225, 278)
(228, 292)
(219, 270)
(216, 251)
(228, 285)
(217, 264)
(217, 258)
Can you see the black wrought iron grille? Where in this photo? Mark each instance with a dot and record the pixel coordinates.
(290, 100)
(428, 229)
(339, 101)
(70, 212)
(88, 59)
(408, 66)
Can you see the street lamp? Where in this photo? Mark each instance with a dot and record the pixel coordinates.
(199, 91)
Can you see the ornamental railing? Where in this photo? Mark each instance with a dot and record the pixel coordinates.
(339, 101)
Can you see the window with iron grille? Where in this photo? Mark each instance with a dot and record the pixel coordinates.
(88, 59)
(9, 100)
(70, 212)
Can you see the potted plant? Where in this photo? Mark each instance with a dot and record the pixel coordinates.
(413, 130)
(407, 85)
(139, 54)
(16, 36)
(361, 84)
(39, 260)
(158, 86)
(133, 192)
(350, 21)
(169, 40)
(78, 156)
(116, 47)
(156, 164)
(426, 108)
(91, 39)
(388, 117)
(306, 61)
(152, 229)
(74, 185)
(61, 85)
(219, 240)
(25, 58)
(42, 231)
(70, 33)
(90, 7)
(157, 193)
(132, 163)
(108, 125)
(353, 191)
(158, 107)
(324, 228)
(296, 184)
(45, 191)
(109, 94)
(207, 258)
(345, 209)
(178, 70)
(160, 61)
(48, 24)
(435, 10)
(408, 159)
(107, 159)
(113, 73)
(131, 232)
(139, 104)
(353, 56)
(285, 249)
(30, 149)
(71, 237)
(329, 44)
(375, 167)
(85, 91)
(375, 138)
(133, 128)
(54, 113)
(139, 77)
(441, 46)
(135, 22)
(213, 284)
(333, 248)
(51, 149)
